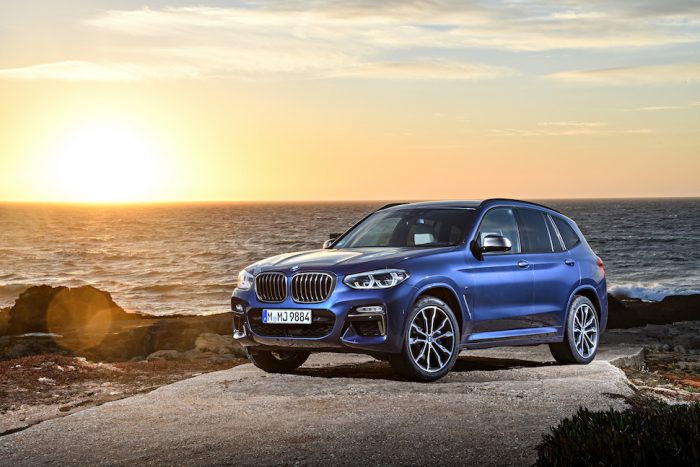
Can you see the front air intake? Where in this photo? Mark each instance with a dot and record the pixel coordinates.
(271, 287)
(312, 287)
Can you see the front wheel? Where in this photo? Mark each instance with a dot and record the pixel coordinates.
(581, 334)
(431, 342)
(277, 362)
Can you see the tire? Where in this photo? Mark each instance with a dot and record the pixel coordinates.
(277, 362)
(430, 342)
(578, 347)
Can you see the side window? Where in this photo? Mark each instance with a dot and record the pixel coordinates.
(533, 228)
(568, 235)
(556, 242)
(501, 221)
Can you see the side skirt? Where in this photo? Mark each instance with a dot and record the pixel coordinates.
(529, 336)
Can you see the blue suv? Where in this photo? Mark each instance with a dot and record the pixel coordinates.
(417, 283)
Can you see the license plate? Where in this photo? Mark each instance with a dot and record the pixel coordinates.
(286, 316)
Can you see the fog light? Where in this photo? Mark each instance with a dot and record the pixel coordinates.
(370, 309)
(239, 308)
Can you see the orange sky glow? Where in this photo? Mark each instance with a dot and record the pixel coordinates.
(124, 101)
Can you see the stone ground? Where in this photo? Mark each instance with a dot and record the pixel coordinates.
(41, 387)
(492, 409)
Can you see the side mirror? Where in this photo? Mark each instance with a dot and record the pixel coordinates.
(331, 238)
(494, 243)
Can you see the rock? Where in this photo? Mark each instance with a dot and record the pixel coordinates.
(689, 366)
(190, 355)
(26, 345)
(680, 349)
(666, 347)
(225, 358)
(166, 355)
(218, 344)
(54, 309)
(181, 332)
(195, 354)
(92, 325)
(632, 313)
(4, 321)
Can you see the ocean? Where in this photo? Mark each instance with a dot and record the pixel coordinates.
(168, 259)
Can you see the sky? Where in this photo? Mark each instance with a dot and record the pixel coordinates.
(133, 101)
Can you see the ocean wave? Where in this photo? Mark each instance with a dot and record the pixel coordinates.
(9, 292)
(650, 292)
(158, 287)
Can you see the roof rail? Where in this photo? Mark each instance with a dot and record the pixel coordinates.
(390, 205)
(518, 201)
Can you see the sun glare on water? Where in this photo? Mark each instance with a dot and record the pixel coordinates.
(105, 162)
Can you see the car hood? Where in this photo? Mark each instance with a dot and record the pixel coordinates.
(342, 261)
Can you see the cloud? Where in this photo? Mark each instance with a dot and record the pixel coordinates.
(430, 70)
(655, 108)
(535, 25)
(91, 71)
(568, 129)
(574, 124)
(683, 73)
(393, 39)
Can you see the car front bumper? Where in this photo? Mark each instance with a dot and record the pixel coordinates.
(341, 327)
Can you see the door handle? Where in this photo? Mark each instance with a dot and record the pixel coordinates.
(522, 264)
(569, 262)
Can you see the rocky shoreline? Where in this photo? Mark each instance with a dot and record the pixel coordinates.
(624, 313)
(63, 350)
(86, 322)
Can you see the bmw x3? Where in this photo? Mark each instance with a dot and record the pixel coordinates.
(415, 284)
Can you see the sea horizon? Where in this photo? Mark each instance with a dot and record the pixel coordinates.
(183, 258)
(325, 201)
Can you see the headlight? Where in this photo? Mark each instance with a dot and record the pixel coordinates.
(382, 279)
(245, 280)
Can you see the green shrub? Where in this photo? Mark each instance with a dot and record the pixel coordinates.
(650, 434)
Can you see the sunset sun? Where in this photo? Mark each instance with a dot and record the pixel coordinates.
(105, 162)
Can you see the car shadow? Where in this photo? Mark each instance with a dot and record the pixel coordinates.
(367, 370)
(465, 363)
(382, 370)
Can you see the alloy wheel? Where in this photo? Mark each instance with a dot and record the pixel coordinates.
(585, 330)
(431, 339)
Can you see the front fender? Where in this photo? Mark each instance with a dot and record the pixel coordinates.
(443, 282)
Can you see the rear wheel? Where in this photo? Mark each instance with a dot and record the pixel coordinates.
(277, 361)
(581, 334)
(431, 342)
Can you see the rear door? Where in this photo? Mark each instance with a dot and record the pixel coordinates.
(502, 288)
(555, 272)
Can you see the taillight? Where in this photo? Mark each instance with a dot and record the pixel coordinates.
(600, 265)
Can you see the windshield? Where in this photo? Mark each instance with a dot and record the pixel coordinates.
(410, 228)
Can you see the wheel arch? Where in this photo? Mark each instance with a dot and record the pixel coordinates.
(591, 294)
(447, 294)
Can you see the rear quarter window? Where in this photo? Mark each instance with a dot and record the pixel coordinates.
(568, 235)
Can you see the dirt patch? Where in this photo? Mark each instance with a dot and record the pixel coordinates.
(40, 387)
(670, 376)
